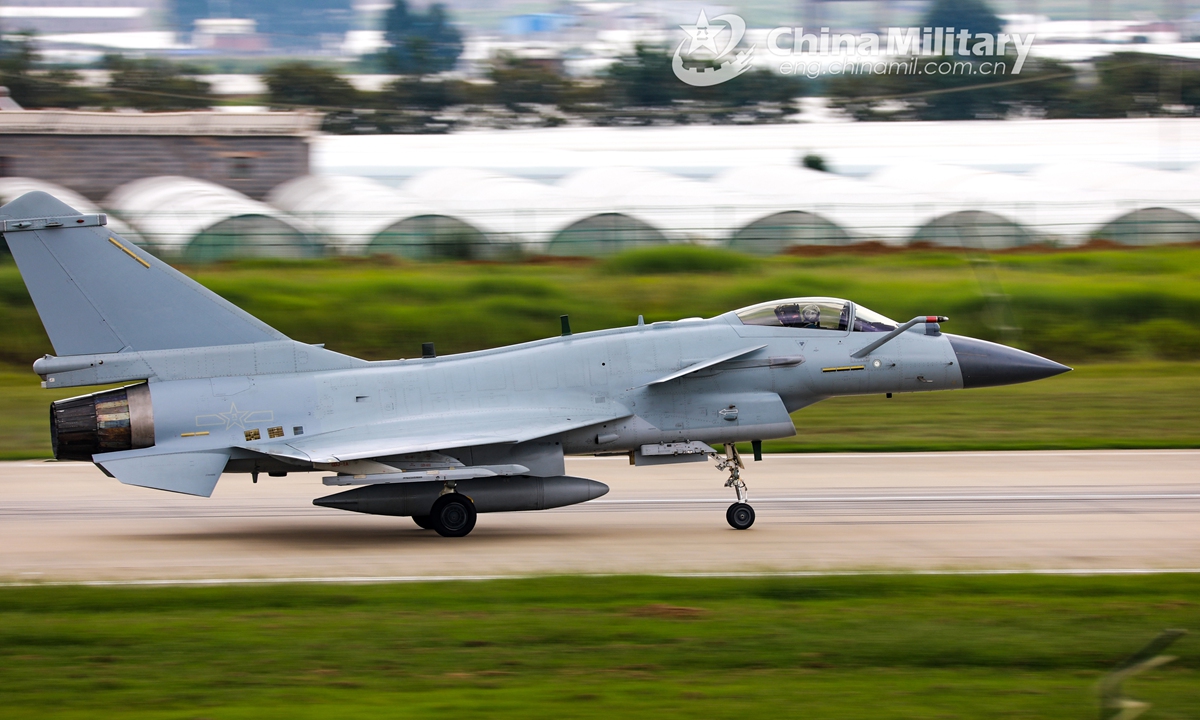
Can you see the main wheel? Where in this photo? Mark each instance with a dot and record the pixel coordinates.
(740, 516)
(423, 522)
(453, 515)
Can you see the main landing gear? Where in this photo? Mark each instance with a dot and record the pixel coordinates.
(739, 515)
(452, 515)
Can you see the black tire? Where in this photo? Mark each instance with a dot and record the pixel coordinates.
(453, 515)
(423, 522)
(740, 516)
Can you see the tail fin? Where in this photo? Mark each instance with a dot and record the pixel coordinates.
(98, 293)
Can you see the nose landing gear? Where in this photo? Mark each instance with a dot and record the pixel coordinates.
(739, 515)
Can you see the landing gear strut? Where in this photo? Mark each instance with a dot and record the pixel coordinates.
(739, 515)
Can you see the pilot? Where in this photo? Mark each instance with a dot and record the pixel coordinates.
(810, 317)
(788, 315)
(792, 316)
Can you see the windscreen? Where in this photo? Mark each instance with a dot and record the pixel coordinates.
(804, 313)
(870, 321)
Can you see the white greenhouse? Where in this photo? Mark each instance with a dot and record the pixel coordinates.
(359, 216)
(196, 220)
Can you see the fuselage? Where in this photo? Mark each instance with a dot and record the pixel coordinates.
(748, 398)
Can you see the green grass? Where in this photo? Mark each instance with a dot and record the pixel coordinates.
(25, 414)
(1124, 405)
(848, 647)
(1075, 306)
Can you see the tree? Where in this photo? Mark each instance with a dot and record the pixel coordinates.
(1139, 84)
(418, 94)
(421, 43)
(53, 89)
(934, 95)
(517, 81)
(16, 60)
(299, 83)
(752, 88)
(643, 79)
(154, 84)
(971, 15)
(869, 97)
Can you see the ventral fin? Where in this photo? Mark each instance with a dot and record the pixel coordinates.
(190, 473)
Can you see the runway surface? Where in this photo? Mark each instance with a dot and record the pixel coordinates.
(916, 511)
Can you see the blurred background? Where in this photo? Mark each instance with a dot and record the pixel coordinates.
(374, 174)
(212, 129)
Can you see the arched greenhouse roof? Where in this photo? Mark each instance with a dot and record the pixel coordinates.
(1151, 226)
(1046, 209)
(507, 208)
(1126, 189)
(200, 220)
(350, 212)
(776, 233)
(973, 230)
(678, 208)
(603, 234)
(12, 188)
(1122, 183)
(861, 209)
(437, 237)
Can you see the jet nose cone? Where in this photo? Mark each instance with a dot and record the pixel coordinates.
(984, 364)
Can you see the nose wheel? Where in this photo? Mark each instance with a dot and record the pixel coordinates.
(739, 515)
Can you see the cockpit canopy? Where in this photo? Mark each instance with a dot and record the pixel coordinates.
(815, 313)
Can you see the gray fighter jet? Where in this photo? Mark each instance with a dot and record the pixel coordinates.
(439, 439)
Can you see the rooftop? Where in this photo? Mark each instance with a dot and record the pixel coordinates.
(70, 122)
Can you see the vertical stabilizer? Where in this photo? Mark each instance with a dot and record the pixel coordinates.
(99, 293)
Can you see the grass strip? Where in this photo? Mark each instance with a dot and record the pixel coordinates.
(835, 647)
(1073, 306)
(1125, 405)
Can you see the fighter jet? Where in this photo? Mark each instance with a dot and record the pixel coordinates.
(439, 438)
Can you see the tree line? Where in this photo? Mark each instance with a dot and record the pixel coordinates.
(637, 89)
(1123, 84)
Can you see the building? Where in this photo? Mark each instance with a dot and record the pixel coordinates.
(93, 153)
(74, 18)
(232, 35)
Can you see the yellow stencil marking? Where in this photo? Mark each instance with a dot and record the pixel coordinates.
(843, 368)
(194, 434)
(129, 252)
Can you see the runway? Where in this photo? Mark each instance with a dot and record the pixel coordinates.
(1003, 511)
